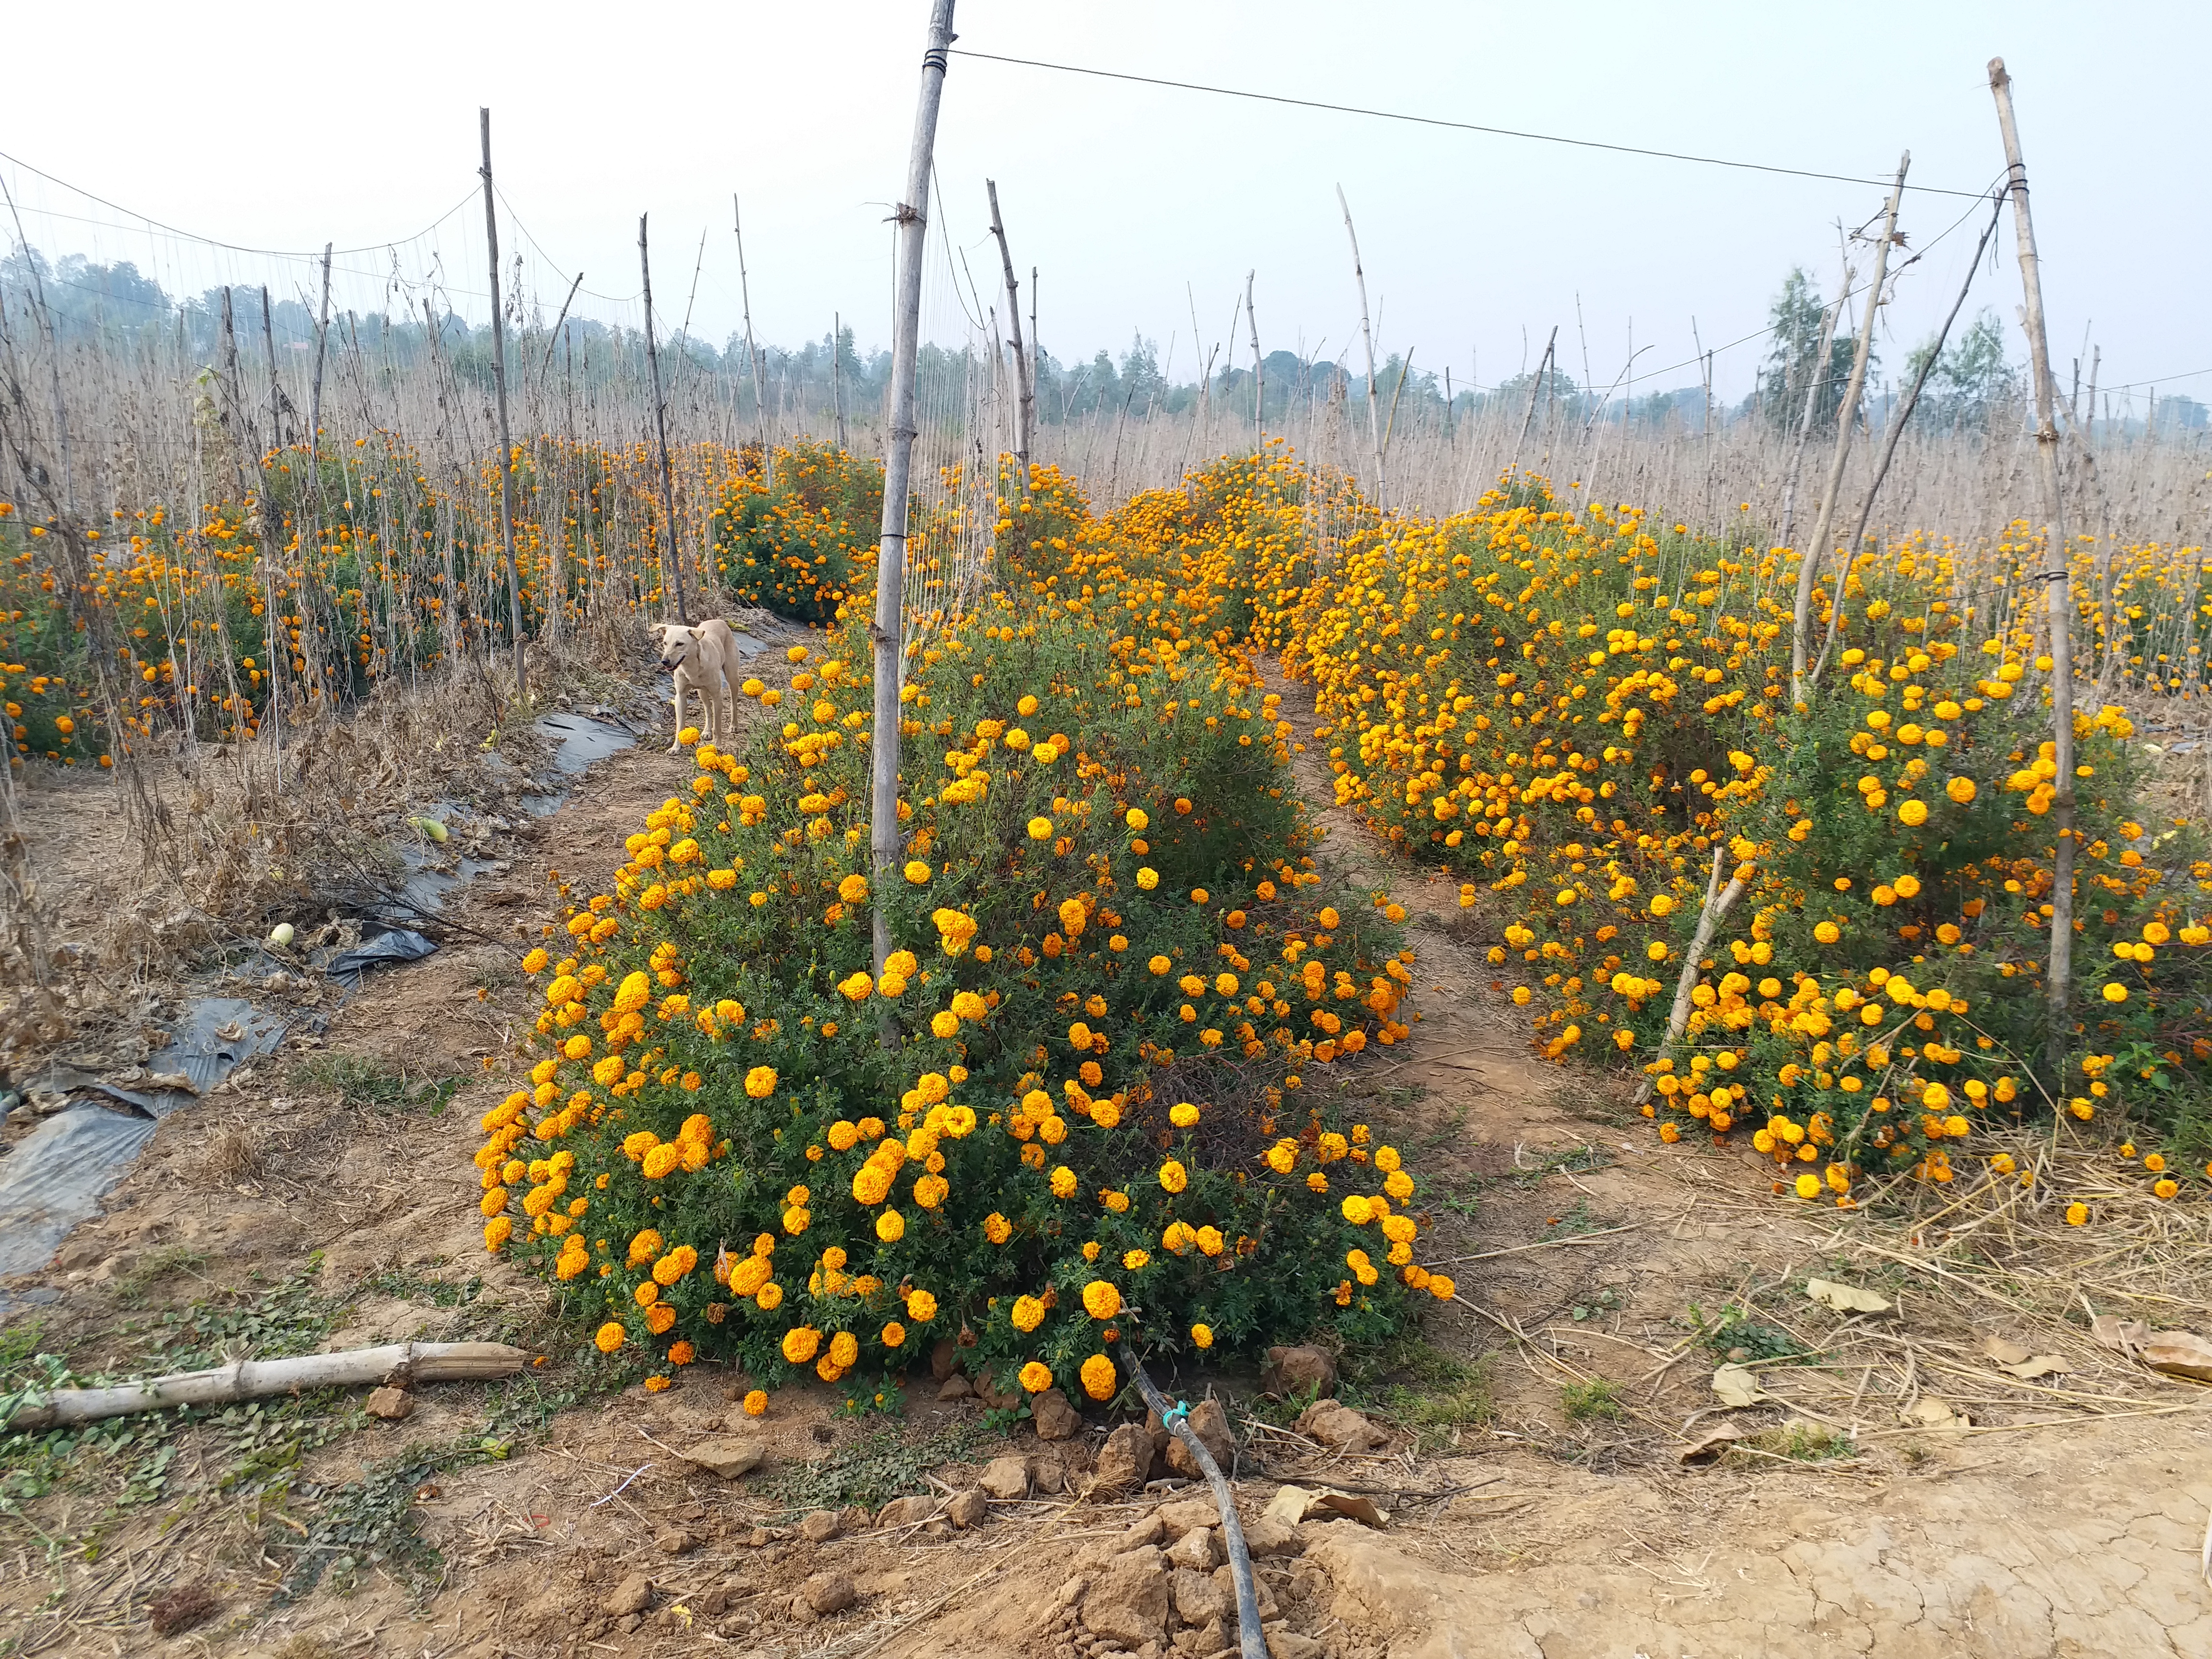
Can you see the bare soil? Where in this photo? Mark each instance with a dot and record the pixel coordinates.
(1533, 1478)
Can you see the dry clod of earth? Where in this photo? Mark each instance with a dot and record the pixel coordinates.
(1006, 1478)
(1210, 1423)
(674, 1540)
(820, 1527)
(1125, 1462)
(633, 1594)
(1339, 1427)
(1291, 1370)
(905, 1511)
(829, 1592)
(1129, 1599)
(954, 1387)
(1053, 1418)
(726, 1456)
(1194, 1550)
(393, 1405)
(968, 1508)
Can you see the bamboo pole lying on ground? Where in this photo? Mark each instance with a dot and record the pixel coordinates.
(399, 1363)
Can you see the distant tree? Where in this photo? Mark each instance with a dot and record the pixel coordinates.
(1972, 384)
(1790, 370)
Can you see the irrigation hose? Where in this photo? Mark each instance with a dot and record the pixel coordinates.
(1252, 1642)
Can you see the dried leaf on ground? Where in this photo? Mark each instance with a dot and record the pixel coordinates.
(2179, 1353)
(1736, 1386)
(1711, 1444)
(1933, 1413)
(2125, 1336)
(2019, 1361)
(1846, 1298)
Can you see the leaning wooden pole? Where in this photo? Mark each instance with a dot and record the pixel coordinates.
(506, 445)
(1025, 408)
(1367, 337)
(1816, 545)
(889, 631)
(2059, 585)
(760, 378)
(671, 562)
(322, 342)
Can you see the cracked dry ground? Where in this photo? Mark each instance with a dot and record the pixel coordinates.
(1516, 1527)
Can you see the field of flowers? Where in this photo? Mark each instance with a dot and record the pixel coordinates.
(1079, 1100)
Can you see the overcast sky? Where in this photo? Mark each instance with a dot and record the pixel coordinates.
(285, 127)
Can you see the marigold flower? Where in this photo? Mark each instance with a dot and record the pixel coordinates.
(1035, 1377)
(1099, 1378)
(1101, 1299)
(1148, 878)
(1173, 1177)
(1202, 1336)
(891, 1226)
(916, 872)
(921, 1307)
(756, 1403)
(800, 1344)
(608, 1337)
(760, 1082)
(894, 1335)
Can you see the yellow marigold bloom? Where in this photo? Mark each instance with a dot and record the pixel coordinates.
(660, 1160)
(1357, 1210)
(756, 1403)
(1148, 877)
(1133, 1260)
(1040, 829)
(1202, 1336)
(2166, 1189)
(1913, 813)
(921, 1307)
(891, 1226)
(1101, 1299)
(608, 1337)
(853, 889)
(1200, 896)
(1063, 1182)
(1099, 1377)
(535, 962)
(2115, 993)
(844, 1349)
(497, 1231)
(1028, 1313)
(1961, 790)
(1827, 931)
(1440, 1285)
(1160, 965)
(997, 1228)
(644, 1247)
(1173, 1177)
(969, 1005)
(1183, 1114)
(894, 1335)
(1035, 1377)
(578, 1046)
(800, 1344)
(770, 1295)
(944, 1023)
(760, 1082)
(856, 987)
(1135, 818)
(1210, 1241)
(916, 872)
(1282, 1156)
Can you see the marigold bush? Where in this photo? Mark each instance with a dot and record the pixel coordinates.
(1592, 722)
(1089, 1118)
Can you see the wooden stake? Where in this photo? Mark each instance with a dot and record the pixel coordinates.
(1528, 414)
(1719, 900)
(671, 562)
(1259, 368)
(1025, 414)
(889, 631)
(1367, 336)
(2058, 586)
(506, 446)
(1816, 548)
(760, 382)
(322, 337)
(1816, 378)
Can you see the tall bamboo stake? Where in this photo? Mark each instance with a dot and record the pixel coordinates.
(322, 339)
(1535, 380)
(1815, 379)
(1026, 407)
(1816, 548)
(1259, 368)
(506, 446)
(2058, 586)
(1367, 337)
(889, 631)
(671, 562)
(760, 382)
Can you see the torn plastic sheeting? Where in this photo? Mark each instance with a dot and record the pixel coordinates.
(399, 945)
(55, 1178)
(218, 1035)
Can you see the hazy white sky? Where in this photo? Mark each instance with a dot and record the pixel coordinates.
(286, 126)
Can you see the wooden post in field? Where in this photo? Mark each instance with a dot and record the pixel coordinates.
(1816, 547)
(760, 382)
(1367, 336)
(506, 447)
(322, 339)
(1259, 368)
(2058, 586)
(837, 374)
(1025, 408)
(1816, 378)
(671, 562)
(1535, 380)
(889, 632)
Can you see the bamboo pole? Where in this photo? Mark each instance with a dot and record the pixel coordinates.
(322, 340)
(1719, 900)
(760, 382)
(401, 1363)
(889, 631)
(1367, 336)
(1816, 551)
(1259, 367)
(506, 446)
(2058, 586)
(1535, 381)
(1026, 406)
(672, 560)
(1816, 378)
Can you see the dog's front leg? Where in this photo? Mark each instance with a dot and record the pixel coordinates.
(675, 740)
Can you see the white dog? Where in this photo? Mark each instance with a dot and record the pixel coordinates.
(703, 658)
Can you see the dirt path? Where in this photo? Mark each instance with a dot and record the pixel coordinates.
(1537, 1503)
